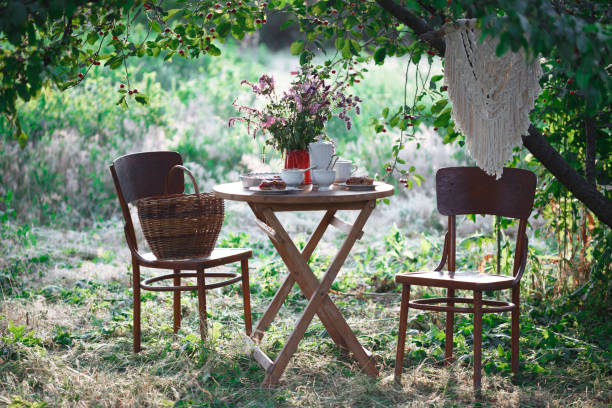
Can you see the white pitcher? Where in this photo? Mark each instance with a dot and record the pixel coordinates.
(320, 153)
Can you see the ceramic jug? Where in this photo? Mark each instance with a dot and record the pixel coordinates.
(320, 153)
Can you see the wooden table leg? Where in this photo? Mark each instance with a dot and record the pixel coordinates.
(319, 299)
(285, 288)
(287, 285)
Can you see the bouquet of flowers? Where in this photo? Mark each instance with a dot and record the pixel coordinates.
(295, 118)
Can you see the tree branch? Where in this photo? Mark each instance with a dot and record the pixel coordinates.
(534, 141)
(417, 25)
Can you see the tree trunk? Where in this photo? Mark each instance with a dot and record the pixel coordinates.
(566, 175)
(534, 142)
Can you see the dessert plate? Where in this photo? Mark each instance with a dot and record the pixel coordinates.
(357, 187)
(286, 190)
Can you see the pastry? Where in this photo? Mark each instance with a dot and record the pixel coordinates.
(365, 180)
(272, 185)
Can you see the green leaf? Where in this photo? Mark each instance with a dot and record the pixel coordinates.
(350, 22)
(142, 99)
(214, 51)
(92, 38)
(379, 55)
(346, 49)
(114, 62)
(319, 8)
(297, 47)
(224, 29)
(443, 119)
(504, 44)
(306, 57)
(394, 121)
(286, 24)
(438, 106)
(237, 32)
(385, 112)
(170, 13)
(339, 43)
(156, 27)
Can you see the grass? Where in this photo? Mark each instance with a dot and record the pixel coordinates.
(65, 298)
(65, 333)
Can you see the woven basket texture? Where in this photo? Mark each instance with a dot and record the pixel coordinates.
(180, 226)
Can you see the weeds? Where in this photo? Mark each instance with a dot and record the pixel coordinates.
(69, 343)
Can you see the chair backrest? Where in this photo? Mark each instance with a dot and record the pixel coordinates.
(142, 175)
(469, 190)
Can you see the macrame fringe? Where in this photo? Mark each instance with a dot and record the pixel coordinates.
(491, 96)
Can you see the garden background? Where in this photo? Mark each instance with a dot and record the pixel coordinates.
(65, 300)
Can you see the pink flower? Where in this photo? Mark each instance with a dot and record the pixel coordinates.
(271, 120)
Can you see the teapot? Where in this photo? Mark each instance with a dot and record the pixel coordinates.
(320, 153)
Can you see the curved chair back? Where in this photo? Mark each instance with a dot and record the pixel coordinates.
(142, 175)
(469, 190)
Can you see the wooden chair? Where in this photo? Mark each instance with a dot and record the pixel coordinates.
(143, 175)
(469, 190)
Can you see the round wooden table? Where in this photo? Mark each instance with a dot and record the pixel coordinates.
(263, 206)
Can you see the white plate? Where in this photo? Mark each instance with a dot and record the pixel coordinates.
(286, 190)
(357, 187)
(253, 179)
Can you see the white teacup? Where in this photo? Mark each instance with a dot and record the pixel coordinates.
(292, 177)
(323, 178)
(344, 169)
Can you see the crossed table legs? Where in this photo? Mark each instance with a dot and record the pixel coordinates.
(317, 292)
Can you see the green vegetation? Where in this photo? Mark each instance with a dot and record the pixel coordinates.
(65, 300)
(65, 330)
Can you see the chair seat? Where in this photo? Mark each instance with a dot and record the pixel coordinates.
(457, 280)
(219, 256)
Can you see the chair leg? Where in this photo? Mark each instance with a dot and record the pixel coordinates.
(246, 296)
(202, 303)
(136, 294)
(401, 334)
(450, 326)
(516, 297)
(177, 302)
(477, 339)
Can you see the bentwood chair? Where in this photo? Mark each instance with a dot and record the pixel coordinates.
(143, 175)
(469, 190)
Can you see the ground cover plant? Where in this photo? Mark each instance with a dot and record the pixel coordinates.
(66, 332)
(65, 300)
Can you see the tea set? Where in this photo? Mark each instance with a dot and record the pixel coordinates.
(326, 168)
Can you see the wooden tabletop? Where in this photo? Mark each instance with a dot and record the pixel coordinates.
(236, 192)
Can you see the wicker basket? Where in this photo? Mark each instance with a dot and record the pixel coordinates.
(179, 226)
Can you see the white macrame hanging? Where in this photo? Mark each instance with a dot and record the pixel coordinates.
(491, 96)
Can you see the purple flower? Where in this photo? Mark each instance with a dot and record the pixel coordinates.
(314, 108)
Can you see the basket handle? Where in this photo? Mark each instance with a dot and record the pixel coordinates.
(171, 172)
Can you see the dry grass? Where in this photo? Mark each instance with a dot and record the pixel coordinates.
(83, 290)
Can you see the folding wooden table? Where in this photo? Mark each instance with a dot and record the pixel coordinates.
(264, 207)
